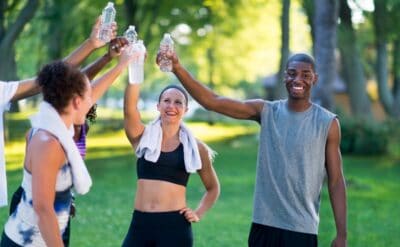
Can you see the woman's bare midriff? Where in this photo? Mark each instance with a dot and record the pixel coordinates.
(159, 196)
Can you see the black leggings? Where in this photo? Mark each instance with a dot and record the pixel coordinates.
(7, 242)
(161, 229)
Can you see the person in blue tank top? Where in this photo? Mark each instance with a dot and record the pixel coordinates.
(167, 153)
(115, 47)
(17, 90)
(299, 145)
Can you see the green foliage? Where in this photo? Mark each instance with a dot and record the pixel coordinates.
(364, 137)
(242, 37)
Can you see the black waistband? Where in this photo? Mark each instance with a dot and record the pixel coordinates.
(170, 219)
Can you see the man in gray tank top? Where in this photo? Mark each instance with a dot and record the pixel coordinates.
(299, 144)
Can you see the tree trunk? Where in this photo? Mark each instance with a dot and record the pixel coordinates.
(308, 6)
(326, 13)
(381, 66)
(9, 34)
(211, 71)
(385, 96)
(396, 78)
(131, 9)
(54, 41)
(351, 64)
(280, 89)
(142, 21)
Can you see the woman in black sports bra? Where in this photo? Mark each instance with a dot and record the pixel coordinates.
(161, 216)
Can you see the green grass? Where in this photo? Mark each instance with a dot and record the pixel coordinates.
(104, 214)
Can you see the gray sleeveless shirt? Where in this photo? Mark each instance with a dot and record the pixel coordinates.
(291, 166)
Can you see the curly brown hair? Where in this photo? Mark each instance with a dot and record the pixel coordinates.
(60, 82)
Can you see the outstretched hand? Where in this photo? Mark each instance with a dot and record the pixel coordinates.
(128, 54)
(190, 215)
(94, 35)
(170, 55)
(116, 46)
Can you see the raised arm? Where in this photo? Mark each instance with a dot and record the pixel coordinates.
(134, 127)
(336, 184)
(26, 88)
(114, 49)
(29, 87)
(211, 183)
(99, 86)
(89, 45)
(248, 109)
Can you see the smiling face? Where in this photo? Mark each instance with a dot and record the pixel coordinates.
(172, 106)
(299, 79)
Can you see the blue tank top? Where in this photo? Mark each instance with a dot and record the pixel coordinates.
(169, 167)
(22, 225)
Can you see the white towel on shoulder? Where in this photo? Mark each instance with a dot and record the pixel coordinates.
(150, 145)
(48, 119)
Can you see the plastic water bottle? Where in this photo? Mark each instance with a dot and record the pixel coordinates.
(131, 34)
(166, 44)
(136, 68)
(107, 18)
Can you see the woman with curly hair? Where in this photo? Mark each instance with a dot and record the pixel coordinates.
(80, 130)
(53, 164)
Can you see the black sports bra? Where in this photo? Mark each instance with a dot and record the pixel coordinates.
(169, 167)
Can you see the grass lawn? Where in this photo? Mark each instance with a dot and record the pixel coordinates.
(104, 214)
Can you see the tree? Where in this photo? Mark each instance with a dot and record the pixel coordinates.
(279, 89)
(386, 19)
(308, 6)
(325, 21)
(352, 67)
(11, 26)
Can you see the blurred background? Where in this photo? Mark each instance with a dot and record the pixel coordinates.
(236, 47)
(239, 49)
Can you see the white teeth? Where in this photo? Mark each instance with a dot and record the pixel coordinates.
(298, 88)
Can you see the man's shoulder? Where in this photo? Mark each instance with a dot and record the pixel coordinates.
(274, 102)
(323, 110)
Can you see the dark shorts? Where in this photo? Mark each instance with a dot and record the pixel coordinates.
(7, 242)
(267, 236)
(163, 229)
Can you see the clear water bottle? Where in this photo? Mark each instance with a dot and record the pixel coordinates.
(166, 44)
(107, 18)
(136, 68)
(131, 34)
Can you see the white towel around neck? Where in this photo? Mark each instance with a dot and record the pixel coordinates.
(48, 119)
(150, 145)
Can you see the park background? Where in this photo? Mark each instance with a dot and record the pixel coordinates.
(237, 48)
